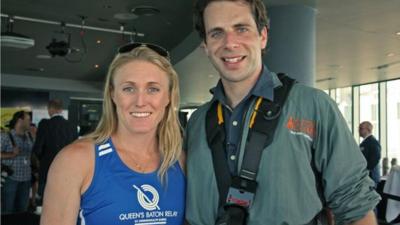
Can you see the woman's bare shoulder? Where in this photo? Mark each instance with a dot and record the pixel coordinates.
(79, 148)
(77, 155)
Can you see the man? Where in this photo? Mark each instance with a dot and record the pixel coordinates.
(16, 149)
(371, 149)
(311, 144)
(52, 135)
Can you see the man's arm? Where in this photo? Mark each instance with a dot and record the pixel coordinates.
(9, 155)
(368, 219)
(8, 151)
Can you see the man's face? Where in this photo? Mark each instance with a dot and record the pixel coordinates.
(363, 130)
(233, 43)
(50, 111)
(26, 122)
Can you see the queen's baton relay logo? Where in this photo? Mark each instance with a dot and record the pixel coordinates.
(147, 197)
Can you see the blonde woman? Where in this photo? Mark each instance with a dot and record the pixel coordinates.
(130, 169)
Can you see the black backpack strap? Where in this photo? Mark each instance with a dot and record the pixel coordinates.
(236, 193)
(216, 140)
(262, 131)
(12, 140)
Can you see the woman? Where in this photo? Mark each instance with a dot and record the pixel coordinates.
(130, 169)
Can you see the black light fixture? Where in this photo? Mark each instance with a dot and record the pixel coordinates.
(62, 47)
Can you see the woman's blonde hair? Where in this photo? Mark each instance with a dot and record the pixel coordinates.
(169, 129)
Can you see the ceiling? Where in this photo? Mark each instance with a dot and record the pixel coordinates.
(356, 40)
(36, 61)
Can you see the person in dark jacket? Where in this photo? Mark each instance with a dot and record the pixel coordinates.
(52, 135)
(371, 149)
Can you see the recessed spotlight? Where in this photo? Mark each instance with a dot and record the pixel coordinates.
(325, 79)
(398, 33)
(43, 56)
(31, 69)
(333, 66)
(390, 54)
(96, 66)
(125, 16)
(98, 41)
(145, 10)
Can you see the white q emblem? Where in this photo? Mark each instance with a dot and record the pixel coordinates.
(148, 203)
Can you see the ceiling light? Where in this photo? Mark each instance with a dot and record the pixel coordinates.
(125, 16)
(32, 69)
(98, 41)
(14, 40)
(43, 56)
(96, 66)
(325, 79)
(398, 33)
(335, 66)
(390, 54)
(145, 10)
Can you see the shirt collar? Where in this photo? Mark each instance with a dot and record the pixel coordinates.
(369, 135)
(56, 114)
(264, 87)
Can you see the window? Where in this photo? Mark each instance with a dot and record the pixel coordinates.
(344, 101)
(398, 110)
(393, 120)
(368, 106)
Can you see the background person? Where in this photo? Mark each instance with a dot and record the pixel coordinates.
(312, 144)
(16, 149)
(52, 135)
(129, 164)
(371, 149)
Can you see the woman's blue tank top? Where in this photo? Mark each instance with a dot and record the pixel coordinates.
(119, 195)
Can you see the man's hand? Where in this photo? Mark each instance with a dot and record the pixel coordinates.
(16, 151)
(10, 155)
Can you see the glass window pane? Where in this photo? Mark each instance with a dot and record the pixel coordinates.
(369, 106)
(344, 101)
(393, 118)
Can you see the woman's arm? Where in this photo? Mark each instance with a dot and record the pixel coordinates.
(69, 176)
(182, 161)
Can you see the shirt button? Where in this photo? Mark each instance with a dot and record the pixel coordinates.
(233, 157)
(235, 123)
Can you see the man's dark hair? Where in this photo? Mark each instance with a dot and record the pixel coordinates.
(55, 104)
(257, 8)
(18, 115)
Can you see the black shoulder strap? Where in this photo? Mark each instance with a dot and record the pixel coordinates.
(262, 132)
(216, 141)
(265, 124)
(12, 139)
(29, 134)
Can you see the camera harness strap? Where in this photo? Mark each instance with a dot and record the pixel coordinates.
(12, 140)
(236, 193)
